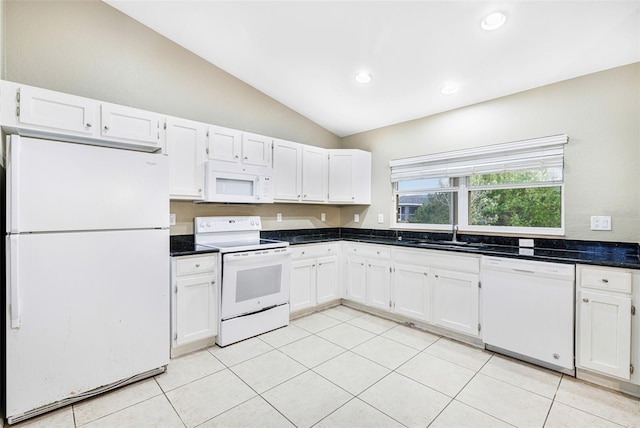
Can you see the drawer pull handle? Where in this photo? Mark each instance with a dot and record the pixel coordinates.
(605, 280)
(584, 299)
(197, 265)
(88, 125)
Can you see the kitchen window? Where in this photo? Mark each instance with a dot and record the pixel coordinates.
(510, 188)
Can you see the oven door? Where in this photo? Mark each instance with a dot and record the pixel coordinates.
(254, 280)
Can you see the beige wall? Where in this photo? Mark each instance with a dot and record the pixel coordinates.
(90, 49)
(87, 48)
(600, 113)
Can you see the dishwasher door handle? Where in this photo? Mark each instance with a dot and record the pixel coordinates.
(530, 272)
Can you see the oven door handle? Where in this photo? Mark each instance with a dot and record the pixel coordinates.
(256, 256)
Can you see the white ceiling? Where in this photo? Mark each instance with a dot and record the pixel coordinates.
(305, 53)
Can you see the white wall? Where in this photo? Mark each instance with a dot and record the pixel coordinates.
(599, 112)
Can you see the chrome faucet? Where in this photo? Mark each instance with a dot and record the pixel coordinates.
(454, 233)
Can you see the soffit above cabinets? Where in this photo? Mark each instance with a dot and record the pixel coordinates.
(306, 54)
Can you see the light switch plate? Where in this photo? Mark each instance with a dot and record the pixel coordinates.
(356, 218)
(600, 222)
(172, 219)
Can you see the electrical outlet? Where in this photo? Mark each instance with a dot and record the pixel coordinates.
(525, 242)
(380, 218)
(356, 218)
(323, 217)
(600, 222)
(279, 217)
(172, 219)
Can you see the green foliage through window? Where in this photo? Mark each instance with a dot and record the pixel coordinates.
(521, 207)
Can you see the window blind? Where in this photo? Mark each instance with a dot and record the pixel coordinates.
(545, 152)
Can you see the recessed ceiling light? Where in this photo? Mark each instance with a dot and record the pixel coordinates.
(363, 77)
(449, 89)
(493, 21)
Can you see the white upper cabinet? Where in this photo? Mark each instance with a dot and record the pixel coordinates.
(300, 172)
(56, 111)
(186, 146)
(40, 112)
(224, 144)
(256, 150)
(287, 171)
(349, 176)
(314, 174)
(233, 148)
(120, 123)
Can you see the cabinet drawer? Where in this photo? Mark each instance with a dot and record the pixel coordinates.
(194, 265)
(606, 279)
(377, 251)
(411, 257)
(314, 250)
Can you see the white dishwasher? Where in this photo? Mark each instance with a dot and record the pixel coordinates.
(528, 311)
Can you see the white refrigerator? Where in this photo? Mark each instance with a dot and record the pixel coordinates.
(87, 273)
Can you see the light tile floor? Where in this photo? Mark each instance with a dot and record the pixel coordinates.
(344, 368)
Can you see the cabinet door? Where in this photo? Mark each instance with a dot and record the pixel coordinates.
(287, 170)
(455, 301)
(196, 309)
(327, 288)
(314, 174)
(256, 150)
(356, 276)
(604, 333)
(340, 177)
(224, 144)
(58, 112)
(186, 150)
(412, 291)
(379, 283)
(129, 124)
(302, 288)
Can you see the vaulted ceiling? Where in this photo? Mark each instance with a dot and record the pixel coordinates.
(306, 54)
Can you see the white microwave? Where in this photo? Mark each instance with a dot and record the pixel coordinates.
(221, 186)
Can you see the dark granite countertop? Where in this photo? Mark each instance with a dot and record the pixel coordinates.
(613, 254)
(184, 245)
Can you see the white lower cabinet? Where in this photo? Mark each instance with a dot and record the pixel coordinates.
(437, 287)
(368, 274)
(379, 283)
(604, 321)
(194, 302)
(314, 276)
(456, 300)
(356, 279)
(431, 286)
(412, 291)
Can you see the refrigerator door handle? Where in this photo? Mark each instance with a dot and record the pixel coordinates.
(14, 290)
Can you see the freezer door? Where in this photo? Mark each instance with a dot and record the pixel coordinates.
(94, 309)
(58, 186)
